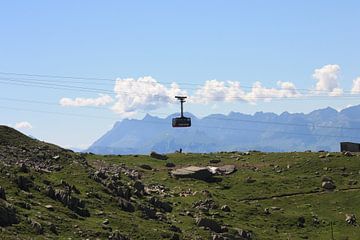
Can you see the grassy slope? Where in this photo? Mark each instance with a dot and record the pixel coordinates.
(247, 214)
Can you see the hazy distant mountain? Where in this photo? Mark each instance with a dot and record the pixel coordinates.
(321, 129)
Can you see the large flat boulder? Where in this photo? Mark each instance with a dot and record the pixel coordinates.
(202, 173)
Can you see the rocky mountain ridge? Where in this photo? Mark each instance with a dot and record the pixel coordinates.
(321, 129)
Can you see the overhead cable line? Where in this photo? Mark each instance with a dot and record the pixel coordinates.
(161, 82)
(35, 83)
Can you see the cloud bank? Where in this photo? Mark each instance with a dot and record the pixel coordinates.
(83, 102)
(146, 93)
(230, 91)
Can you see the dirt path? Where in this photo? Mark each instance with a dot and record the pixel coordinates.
(285, 195)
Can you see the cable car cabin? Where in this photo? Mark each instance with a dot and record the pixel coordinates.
(181, 122)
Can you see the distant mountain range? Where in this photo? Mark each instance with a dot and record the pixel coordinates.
(321, 129)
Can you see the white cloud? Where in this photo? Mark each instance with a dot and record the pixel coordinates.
(336, 92)
(356, 86)
(23, 125)
(81, 102)
(230, 91)
(327, 80)
(285, 90)
(144, 93)
(219, 91)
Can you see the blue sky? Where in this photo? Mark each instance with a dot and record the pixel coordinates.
(186, 42)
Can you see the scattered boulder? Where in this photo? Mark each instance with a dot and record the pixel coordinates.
(328, 183)
(350, 219)
(148, 212)
(175, 236)
(315, 220)
(243, 234)
(158, 156)
(146, 167)
(101, 174)
(117, 236)
(205, 205)
(157, 189)
(348, 154)
(170, 165)
(24, 183)
(226, 169)
(214, 161)
(267, 211)
(23, 204)
(139, 188)
(38, 228)
(53, 228)
(7, 214)
(209, 223)
(126, 205)
(2, 193)
(249, 180)
(23, 168)
(301, 222)
(352, 182)
(174, 228)
(225, 208)
(49, 207)
(165, 206)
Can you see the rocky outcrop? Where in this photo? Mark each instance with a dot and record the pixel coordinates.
(126, 205)
(164, 206)
(116, 235)
(209, 223)
(7, 214)
(38, 228)
(158, 156)
(205, 205)
(2, 193)
(24, 183)
(67, 199)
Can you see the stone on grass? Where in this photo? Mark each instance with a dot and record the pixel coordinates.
(225, 208)
(158, 156)
(328, 185)
(350, 219)
(202, 173)
(209, 223)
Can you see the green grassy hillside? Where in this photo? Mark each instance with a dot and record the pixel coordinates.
(270, 196)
